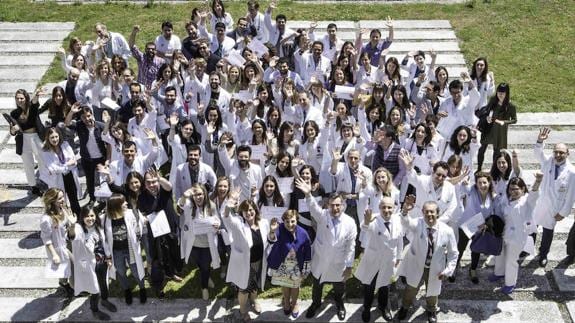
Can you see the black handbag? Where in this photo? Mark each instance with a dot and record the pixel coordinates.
(490, 241)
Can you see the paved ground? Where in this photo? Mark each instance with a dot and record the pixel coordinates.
(25, 295)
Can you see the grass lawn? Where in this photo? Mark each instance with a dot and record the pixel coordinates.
(528, 43)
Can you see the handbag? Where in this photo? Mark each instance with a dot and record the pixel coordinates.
(487, 243)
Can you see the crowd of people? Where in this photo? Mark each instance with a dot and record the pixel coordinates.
(268, 155)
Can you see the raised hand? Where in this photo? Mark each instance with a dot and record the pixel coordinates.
(406, 158)
(274, 224)
(389, 22)
(174, 119)
(368, 216)
(336, 154)
(149, 133)
(303, 186)
(543, 134)
(408, 203)
(106, 116)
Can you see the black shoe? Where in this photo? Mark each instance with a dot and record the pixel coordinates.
(341, 313)
(523, 255)
(365, 315)
(68, 289)
(473, 276)
(386, 314)
(542, 261)
(109, 306)
(101, 316)
(128, 296)
(401, 314)
(36, 191)
(451, 279)
(431, 317)
(311, 310)
(569, 260)
(143, 296)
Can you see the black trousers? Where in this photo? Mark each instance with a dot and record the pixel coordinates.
(481, 154)
(382, 295)
(89, 166)
(71, 192)
(317, 290)
(571, 242)
(101, 274)
(546, 239)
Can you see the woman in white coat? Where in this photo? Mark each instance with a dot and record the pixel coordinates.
(93, 258)
(383, 252)
(198, 210)
(517, 214)
(248, 259)
(59, 167)
(123, 235)
(54, 225)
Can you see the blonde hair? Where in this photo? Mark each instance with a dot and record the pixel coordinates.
(288, 214)
(49, 199)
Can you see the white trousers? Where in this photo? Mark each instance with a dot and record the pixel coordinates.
(506, 263)
(31, 147)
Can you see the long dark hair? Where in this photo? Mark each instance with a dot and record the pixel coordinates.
(276, 195)
(454, 144)
(494, 101)
(61, 110)
(483, 76)
(195, 137)
(495, 173)
(84, 213)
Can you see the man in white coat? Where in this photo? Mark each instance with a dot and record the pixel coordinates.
(192, 172)
(381, 257)
(119, 169)
(432, 187)
(431, 257)
(333, 249)
(458, 109)
(557, 191)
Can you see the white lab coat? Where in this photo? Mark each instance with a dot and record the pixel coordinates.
(85, 279)
(382, 251)
(182, 179)
(132, 225)
(557, 195)
(239, 264)
(443, 260)
(331, 254)
(56, 235)
(188, 237)
(52, 169)
(461, 114)
(447, 201)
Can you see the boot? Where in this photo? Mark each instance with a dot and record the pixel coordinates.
(143, 296)
(128, 296)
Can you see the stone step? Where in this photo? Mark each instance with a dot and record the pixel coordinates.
(407, 35)
(22, 248)
(21, 222)
(20, 74)
(371, 24)
(9, 88)
(565, 279)
(37, 26)
(28, 49)
(31, 309)
(32, 60)
(37, 36)
(26, 277)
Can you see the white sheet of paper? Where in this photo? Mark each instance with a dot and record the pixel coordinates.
(258, 47)
(204, 225)
(270, 212)
(108, 103)
(302, 205)
(244, 96)
(53, 271)
(529, 246)
(235, 58)
(258, 151)
(159, 224)
(344, 92)
(470, 226)
(285, 184)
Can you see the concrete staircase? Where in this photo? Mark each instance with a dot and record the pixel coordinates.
(26, 51)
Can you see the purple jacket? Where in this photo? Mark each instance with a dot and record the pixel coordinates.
(285, 242)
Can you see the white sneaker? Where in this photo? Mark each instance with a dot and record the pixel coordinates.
(211, 283)
(205, 294)
(490, 262)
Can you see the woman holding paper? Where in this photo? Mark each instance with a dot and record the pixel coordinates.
(54, 225)
(248, 260)
(59, 167)
(480, 198)
(297, 199)
(289, 261)
(269, 194)
(104, 85)
(199, 237)
(123, 233)
(517, 215)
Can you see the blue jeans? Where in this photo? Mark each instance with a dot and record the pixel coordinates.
(121, 258)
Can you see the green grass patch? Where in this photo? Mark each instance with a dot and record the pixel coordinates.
(528, 43)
